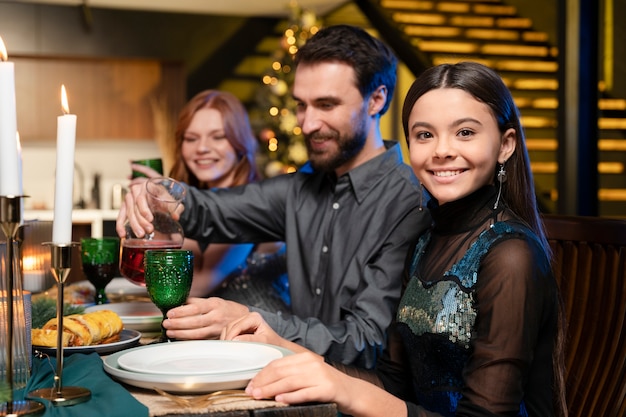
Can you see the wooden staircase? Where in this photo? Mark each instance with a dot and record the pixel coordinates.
(433, 32)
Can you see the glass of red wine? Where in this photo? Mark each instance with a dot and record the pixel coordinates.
(100, 257)
(164, 196)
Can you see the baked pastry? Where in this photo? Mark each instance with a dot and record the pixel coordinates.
(98, 327)
(47, 337)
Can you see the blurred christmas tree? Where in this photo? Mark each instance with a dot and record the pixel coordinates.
(282, 145)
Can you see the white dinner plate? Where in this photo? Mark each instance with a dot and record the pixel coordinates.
(137, 315)
(128, 339)
(199, 357)
(182, 383)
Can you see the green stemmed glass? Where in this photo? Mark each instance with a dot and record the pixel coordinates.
(168, 274)
(100, 258)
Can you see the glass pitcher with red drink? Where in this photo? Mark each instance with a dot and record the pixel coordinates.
(164, 196)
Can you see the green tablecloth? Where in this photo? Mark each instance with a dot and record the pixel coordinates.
(108, 398)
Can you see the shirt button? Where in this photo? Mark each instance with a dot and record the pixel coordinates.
(318, 291)
(324, 249)
(335, 206)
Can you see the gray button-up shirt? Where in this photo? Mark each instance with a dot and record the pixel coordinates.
(346, 239)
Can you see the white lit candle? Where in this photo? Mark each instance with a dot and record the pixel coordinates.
(64, 181)
(20, 163)
(10, 178)
(20, 169)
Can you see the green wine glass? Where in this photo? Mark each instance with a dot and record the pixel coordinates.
(168, 274)
(100, 258)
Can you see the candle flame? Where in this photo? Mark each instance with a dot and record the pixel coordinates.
(64, 103)
(3, 51)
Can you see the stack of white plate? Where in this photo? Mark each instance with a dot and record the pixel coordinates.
(194, 366)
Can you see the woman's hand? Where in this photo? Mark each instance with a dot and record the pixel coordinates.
(305, 377)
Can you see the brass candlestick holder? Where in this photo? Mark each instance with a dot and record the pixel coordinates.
(10, 220)
(61, 262)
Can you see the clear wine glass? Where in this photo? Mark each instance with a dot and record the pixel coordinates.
(164, 196)
(168, 276)
(100, 258)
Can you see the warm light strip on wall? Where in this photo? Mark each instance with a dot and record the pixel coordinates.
(537, 66)
(438, 60)
(608, 123)
(449, 47)
(492, 34)
(612, 194)
(546, 103)
(407, 4)
(536, 84)
(612, 104)
(541, 144)
(612, 145)
(424, 19)
(544, 167)
(514, 22)
(519, 50)
(538, 122)
(448, 7)
(472, 21)
(433, 31)
(535, 36)
(495, 9)
(610, 168)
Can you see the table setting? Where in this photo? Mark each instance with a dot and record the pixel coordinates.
(156, 374)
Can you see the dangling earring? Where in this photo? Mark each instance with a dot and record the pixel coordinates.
(501, 179)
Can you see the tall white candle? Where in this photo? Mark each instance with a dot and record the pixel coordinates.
(64, 182)
(9, 177)
(20, 164)
(20, 169)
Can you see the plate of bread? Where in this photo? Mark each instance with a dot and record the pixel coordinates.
(142, 316)
(99, 331)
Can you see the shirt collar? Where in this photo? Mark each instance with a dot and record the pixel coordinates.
(364, 177)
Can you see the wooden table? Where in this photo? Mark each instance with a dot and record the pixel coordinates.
(308, 410)
(160, 406)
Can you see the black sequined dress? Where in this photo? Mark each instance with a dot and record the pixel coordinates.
(475, 327)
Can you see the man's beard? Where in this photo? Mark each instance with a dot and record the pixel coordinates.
(348, 147)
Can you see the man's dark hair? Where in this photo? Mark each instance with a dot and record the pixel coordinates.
(374, 63)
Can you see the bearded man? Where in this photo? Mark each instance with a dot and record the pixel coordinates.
(347, 217)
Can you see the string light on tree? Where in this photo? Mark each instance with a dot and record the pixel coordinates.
(284, 147)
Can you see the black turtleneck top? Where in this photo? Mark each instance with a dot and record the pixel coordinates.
(475, 328)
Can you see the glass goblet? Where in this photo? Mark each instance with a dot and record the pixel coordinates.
(100, 258)
(168, 274)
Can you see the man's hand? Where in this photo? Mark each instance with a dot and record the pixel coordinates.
(202, 318)
(135, 210)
